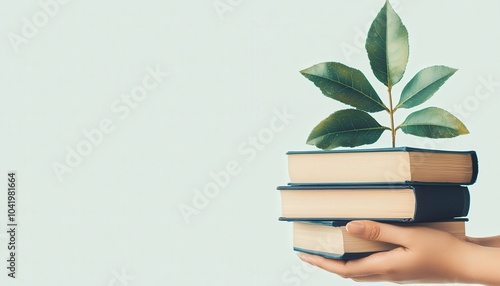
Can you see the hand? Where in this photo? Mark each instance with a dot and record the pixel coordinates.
(492, 241)
(425, 255)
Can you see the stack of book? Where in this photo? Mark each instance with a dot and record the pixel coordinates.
(404, 186)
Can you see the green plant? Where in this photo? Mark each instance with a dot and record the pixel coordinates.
(388, 49)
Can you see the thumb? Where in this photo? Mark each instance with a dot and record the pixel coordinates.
(371, 230)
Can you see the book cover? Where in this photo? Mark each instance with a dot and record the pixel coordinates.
(396, 202)
(330, 239)
(392, 165)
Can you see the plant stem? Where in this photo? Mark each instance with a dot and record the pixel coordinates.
(391, 114)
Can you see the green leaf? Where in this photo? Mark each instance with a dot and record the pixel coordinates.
(345, 84)
(387, 46)
(346, 128)
(423, 85)
(433, 122)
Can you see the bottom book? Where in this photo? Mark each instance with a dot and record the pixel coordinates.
(331, 240)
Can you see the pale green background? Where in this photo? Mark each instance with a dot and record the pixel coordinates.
(117, 212)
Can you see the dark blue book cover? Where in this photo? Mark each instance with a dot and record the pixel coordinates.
(422, 202)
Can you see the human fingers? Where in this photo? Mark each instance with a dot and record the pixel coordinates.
(371, 230)
(492, 241)
(374, 264)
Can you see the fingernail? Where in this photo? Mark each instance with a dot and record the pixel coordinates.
(356, 228)
(305, 257)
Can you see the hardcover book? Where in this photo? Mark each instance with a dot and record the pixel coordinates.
(401, 202)
(396, 165)
(331, 240)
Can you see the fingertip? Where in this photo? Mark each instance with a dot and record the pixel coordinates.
(355, 228)
(331, 265)
(366, 229)
(308, 258)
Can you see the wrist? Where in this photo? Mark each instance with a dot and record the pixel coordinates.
(478, 265)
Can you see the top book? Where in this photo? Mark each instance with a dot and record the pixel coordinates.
(382, 165)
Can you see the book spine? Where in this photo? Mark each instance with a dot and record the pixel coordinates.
(440, 202)
(475, 167)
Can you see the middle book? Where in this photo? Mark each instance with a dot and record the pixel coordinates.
(384, 202)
